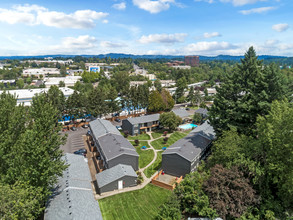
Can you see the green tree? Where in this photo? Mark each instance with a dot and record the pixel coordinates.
(20, 201)
(197, 118)
(167, 99)
(155, 102)
(244, 95)
(170, 120)
(181, 85)
(61, 84)
(20, 83)
(191, 96)
(57, 99)
(158, 85)
(170, 210)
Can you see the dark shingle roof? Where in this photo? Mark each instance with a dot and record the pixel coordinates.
(73, 196)
(111, 142)
(114, 173)
(193, 144)
(144, 119)
(114, 145)
(101, 127)
(182, 113)
(203, 111)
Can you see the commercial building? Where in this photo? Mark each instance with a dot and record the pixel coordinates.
(24, 96)
(68, 81)
(73, 197)
(113, 148)
(186, 67)
(95, 69)
(115, 178)
(139, 124)
(40, 72)
(188, 151)
(191, 60)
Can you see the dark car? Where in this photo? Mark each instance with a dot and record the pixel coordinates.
(80, 152)
(73, 128)
(117, 120)
(187, 109)
(85, 126)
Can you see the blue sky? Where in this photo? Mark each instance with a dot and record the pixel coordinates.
(175, 27)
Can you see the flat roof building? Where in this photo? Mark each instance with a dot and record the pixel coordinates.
(24, 96)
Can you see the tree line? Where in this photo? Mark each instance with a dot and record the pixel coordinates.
(249, 174)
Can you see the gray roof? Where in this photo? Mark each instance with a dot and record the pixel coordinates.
(193, 144)
(182, 113)
(111, 142)
(114, 173)
(114, 145)
(144, 119)
(73, 196)
(101, 127)
(203, 111)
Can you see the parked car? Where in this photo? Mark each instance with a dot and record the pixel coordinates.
(85, 126)
(187, 109)
(73, 128)
(119, 128)
(117, 120)
(80, 152)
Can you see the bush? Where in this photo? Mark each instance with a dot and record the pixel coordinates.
(126, 133)
(165, 133)
(165, 140)
(136, 142)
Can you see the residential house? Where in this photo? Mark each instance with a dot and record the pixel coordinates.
(73, 197)
(113, 148)
(139, 124)
(184, 155)
(115, 178)
(182, 113)
(202, 111)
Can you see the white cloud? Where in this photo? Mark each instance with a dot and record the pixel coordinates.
(208, 1)
(205, 46)
(153, 6)
(163, 38)
(105, 21)
(109, 44)
(280, 27)
(120, 6)
(257, 10)
(35, 15)
(242, 2)
(211, 35)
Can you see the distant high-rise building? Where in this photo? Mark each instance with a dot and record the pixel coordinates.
(191, 60)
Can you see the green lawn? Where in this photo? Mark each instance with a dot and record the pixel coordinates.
(155, 166)
(145, 156)
(157, 134)
(139, 205)
(158, 144)
(139, 137)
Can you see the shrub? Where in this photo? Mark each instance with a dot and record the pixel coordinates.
(126, 133)
(136, 142)
(165, 140)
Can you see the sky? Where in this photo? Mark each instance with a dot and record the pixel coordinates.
(153, 27)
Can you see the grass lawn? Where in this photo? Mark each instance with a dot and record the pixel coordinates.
(145, 156)
(155, 166)
(139, 137)
(140, 204)
(157, 134)
(158, 144)
(194, 107)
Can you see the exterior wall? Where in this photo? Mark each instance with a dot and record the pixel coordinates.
(175, 165)
(127, 126)
(124, 159)
(128, 181)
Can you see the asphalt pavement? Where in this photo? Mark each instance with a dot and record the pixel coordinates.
(74, 140)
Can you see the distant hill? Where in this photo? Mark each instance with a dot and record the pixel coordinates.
(121, 55)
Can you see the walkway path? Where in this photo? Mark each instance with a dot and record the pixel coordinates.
(141, 170)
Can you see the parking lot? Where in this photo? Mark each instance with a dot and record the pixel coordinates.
(74, 140)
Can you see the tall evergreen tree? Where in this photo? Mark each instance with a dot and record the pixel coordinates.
(244, 95)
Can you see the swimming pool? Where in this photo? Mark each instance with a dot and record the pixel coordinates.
(188, 126)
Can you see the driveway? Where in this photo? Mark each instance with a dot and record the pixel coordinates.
(74, 140)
